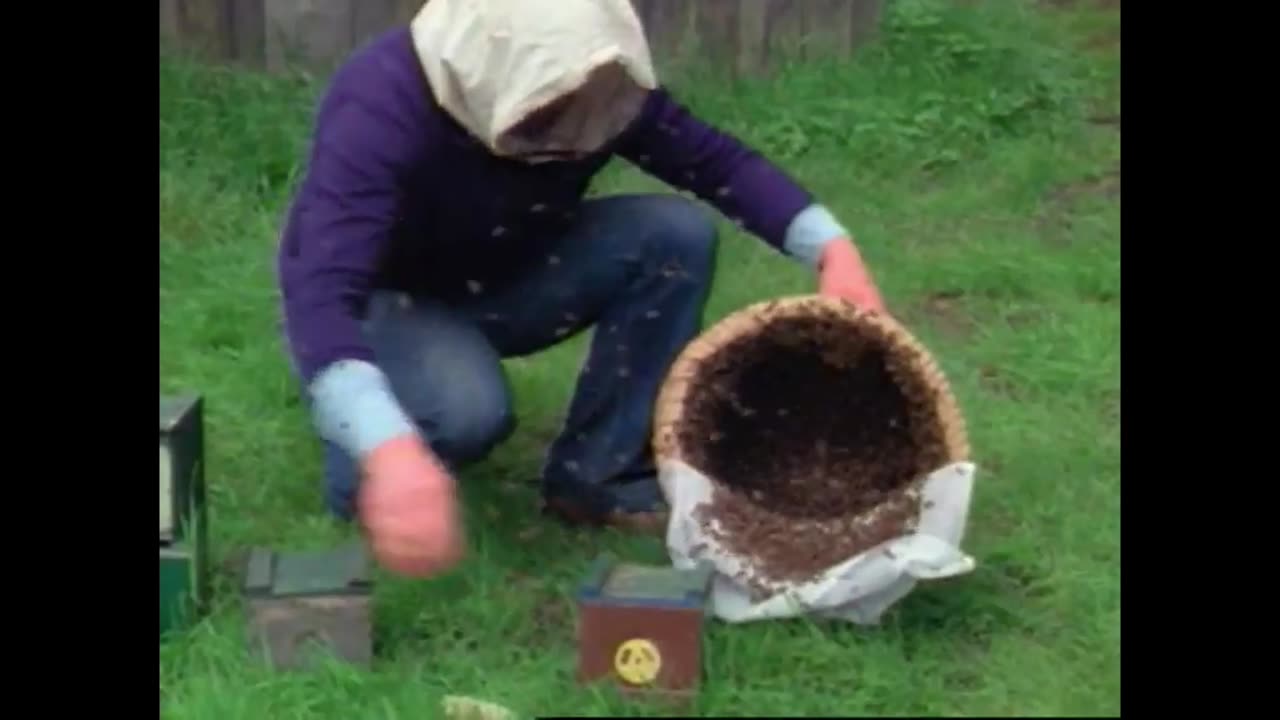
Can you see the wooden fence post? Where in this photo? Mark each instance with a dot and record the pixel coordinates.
(753, 37)
(249, 32)
(743, 35)
(200, 26)
(314, 34)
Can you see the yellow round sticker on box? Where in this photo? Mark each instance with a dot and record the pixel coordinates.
(637, 661)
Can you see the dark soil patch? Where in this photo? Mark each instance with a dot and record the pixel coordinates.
(945, 312)
(965, 678)
(1106, 120)
(552, 621)
(1107, 298)
(990, 377)
(1055, 218)
(1099, 4)
(1106, 184)
(462, 641)
(1111, 407)
(994, 382)
(811, 424)
(973, 613)
(997, 522)
(234, 565)
(1019, 319)
(1101, 42)
(1104, 40)
(1012, 579)
(551, 616)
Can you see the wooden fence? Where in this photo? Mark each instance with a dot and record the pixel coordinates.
(316, 34)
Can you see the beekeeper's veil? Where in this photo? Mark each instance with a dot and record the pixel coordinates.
(536, 79)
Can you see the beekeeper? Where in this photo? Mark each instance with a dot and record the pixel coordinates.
(441, 226)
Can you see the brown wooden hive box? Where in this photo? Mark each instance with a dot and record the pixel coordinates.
(303, 602)
(641, 626)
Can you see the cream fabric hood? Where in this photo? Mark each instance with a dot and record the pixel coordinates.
(493, 63)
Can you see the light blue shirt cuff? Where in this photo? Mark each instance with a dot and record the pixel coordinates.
(809, 232)
(354, 408)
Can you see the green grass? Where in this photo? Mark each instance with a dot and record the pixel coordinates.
(988, 206)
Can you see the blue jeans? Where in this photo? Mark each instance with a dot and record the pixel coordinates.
(638, 269)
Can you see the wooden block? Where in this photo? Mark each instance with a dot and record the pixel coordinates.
(641, 627)
(307, 605)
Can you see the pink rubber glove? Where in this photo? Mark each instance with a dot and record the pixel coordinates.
(408, 507)
(842, 274)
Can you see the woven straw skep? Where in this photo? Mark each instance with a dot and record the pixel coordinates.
(852, 336)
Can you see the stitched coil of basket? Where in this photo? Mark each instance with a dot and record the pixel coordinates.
(816, 424)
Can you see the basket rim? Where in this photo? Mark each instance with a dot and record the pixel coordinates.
(677, 385)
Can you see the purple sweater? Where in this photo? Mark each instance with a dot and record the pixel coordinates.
(398, 196)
